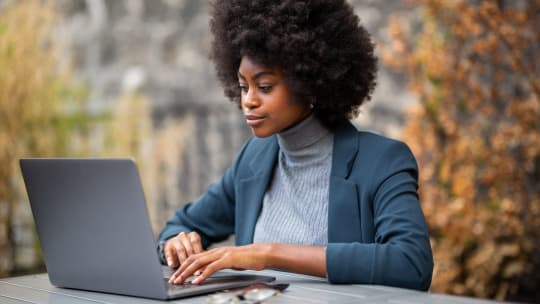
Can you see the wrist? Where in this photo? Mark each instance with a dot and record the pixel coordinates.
(270, 255)
(161, 252)
(264, 254)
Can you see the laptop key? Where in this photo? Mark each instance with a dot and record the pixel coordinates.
(182, 286)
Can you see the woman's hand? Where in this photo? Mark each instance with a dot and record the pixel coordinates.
(252, 257)
(181, 247)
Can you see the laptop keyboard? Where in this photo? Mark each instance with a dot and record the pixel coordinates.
(183, 286)
(217, 281)
(213, 280)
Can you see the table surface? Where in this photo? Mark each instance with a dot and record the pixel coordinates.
(302, 289)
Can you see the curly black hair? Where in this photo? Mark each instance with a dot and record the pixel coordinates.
(326, 56)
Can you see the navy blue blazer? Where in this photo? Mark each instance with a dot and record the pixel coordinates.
(377, 233)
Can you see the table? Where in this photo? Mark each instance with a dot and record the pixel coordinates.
(302, 289)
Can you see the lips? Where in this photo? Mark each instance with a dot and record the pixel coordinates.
(254, 120)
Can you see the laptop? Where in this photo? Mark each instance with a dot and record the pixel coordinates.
(95, 233)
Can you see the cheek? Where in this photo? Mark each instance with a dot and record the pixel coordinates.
(298, 109)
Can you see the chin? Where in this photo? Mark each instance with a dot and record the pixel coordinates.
(261, 133)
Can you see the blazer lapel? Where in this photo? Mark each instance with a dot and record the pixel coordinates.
(343, 207)
(251, 192)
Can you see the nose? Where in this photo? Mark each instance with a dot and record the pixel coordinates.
(250, 99)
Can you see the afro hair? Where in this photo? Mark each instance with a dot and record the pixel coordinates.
(326, 56)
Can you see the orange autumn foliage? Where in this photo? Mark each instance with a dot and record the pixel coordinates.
(475, 66)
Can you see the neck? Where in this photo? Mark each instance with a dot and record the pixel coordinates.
(303, 135)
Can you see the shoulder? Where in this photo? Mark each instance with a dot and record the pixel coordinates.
(376, 155)
(374, 146)
(368, 145)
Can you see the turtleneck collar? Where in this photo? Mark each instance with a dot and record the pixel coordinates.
(302, 136)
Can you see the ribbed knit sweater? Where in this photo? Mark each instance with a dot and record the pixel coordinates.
(295, 205)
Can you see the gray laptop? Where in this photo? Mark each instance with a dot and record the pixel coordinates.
(95, 233)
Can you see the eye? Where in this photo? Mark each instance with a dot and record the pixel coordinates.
(243, 88)
(265, 88)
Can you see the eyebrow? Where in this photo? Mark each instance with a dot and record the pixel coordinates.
(257, 75)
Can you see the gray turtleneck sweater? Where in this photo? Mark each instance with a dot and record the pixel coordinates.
(295, 205)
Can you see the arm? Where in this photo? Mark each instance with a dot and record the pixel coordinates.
(194, 226)
(308, 260)
(211, 216)
(400, 252)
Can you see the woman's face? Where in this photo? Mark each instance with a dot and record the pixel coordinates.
(267, 103)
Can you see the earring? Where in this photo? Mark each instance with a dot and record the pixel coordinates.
(312, 103)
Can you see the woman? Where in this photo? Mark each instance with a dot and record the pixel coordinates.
(309, 193)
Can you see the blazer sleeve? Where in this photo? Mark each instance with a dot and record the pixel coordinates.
(212, 215)
(401, 253)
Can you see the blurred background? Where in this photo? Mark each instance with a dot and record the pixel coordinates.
(459, 81)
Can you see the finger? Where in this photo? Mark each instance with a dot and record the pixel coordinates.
(179, 251)
(184, 239)
(188, 269)
(208, 271)
(174, 277)
(199, 272)
(192, 264)
(170, 255)
(195, 242)
(183, 272)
